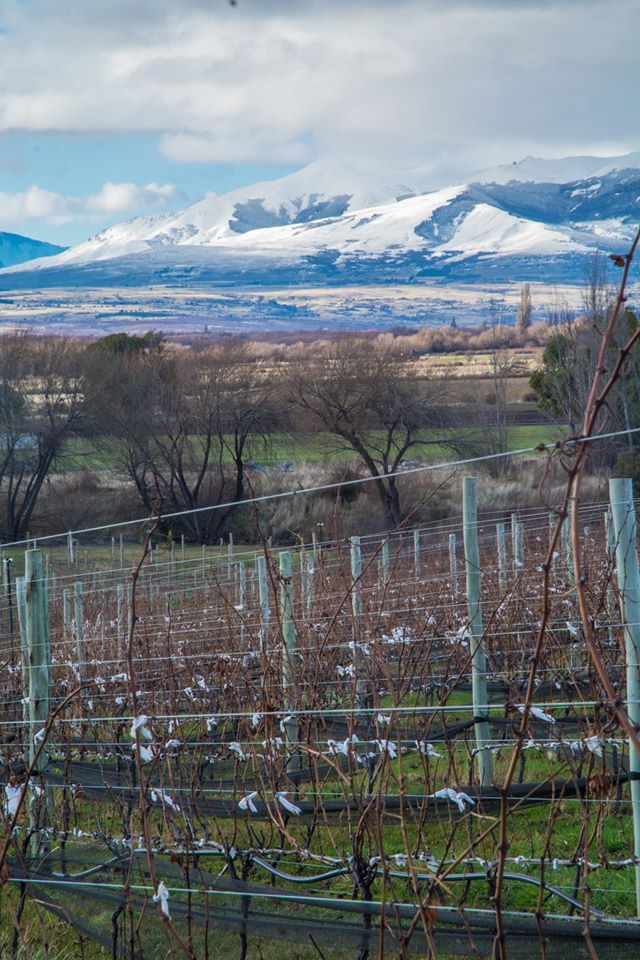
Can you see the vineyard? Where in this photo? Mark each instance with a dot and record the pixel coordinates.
(423, 743)
(319, 480)
(385, 746)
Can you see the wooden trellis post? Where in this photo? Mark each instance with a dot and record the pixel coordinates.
(476, 629)
(263, 593)
(311, 570)
(289, 646)
(129, 612)
(39, 652)
(385, 563)
(416, 553)
(6, 582)
(362, 686)
(78, 615)
(242, 597)
(567, 547)
(610, 535)
(626, 535)
(242, 584)
(502, 556)
(21, 604)
(66, 613)
(120, 618)
(453, 560)
(356, 573)
(552, 526)
(518, 545)
(304, 577)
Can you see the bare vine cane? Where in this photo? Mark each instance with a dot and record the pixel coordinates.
(42, 743)
(171, 932)
(595, 403)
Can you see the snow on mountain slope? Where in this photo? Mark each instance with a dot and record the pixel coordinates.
(391, 228)
(373, 231)
(539, 170)
(490, 231)
(15, 249)
(320, 190)
(329, 219)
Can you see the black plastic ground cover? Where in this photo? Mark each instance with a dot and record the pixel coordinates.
(451, 932)
(107, 784)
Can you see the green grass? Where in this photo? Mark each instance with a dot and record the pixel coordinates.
(281, 448)
(611, 891)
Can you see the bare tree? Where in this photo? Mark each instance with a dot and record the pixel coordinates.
(568, 363)
(559, 313)
(598, 294)
(180, 424)
(41, 407)
(365, 398)
(523, 317)
(493, 416)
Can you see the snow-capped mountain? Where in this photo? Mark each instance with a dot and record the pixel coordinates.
(15, 249)
(563, 170)
(537, 218)
(321, 190)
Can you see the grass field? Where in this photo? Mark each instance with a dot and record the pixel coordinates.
(281, 448)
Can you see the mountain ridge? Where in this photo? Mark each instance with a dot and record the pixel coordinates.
(337, 222)
(16, 248)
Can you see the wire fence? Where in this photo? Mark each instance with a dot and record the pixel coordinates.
(263, 747)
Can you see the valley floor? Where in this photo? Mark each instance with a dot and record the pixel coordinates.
(203, 308)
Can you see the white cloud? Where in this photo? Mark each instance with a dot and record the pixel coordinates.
(217, 148)
(33, 204)
(17, 209)
(120, 197)
(281, 80)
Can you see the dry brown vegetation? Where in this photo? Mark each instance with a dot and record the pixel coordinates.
(146, 422)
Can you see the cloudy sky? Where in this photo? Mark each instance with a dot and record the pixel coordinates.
(111, 108)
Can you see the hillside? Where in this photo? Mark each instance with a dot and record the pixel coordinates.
(15, 249)
(339, 224)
